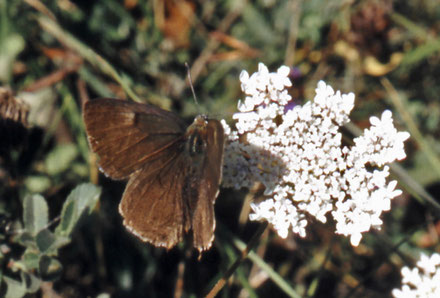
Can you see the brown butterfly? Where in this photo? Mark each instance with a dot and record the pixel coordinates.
(173, 173)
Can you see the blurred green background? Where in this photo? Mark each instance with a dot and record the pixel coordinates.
(54, 55)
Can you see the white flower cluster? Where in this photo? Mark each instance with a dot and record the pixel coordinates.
(422, 281)
(296, 154)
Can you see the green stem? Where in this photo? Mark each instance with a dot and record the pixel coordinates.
(87, 53)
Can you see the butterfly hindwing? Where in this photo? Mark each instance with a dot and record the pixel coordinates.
(152, 205)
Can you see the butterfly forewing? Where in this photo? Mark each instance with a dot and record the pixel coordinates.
(126, 134)
(174, 174)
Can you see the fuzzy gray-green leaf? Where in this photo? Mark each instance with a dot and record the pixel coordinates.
(31, 281)
(60, 159)
(45, 239)
(48, 242)
(50, 268)
(35, 213)
(31, 260)
(83, 197)
(14, 288)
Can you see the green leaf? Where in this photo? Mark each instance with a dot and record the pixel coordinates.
(48, 242)
(45, 239)
(26, 239)
(35, 213)
(15, 288)
(37, 183)
(84, 196)
(31, 281)
(12, 45)
(31, 260)
(50, 268)
(60, 159)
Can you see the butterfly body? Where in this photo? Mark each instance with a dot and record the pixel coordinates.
(173, 172)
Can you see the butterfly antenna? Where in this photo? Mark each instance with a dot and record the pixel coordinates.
(191, 84)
